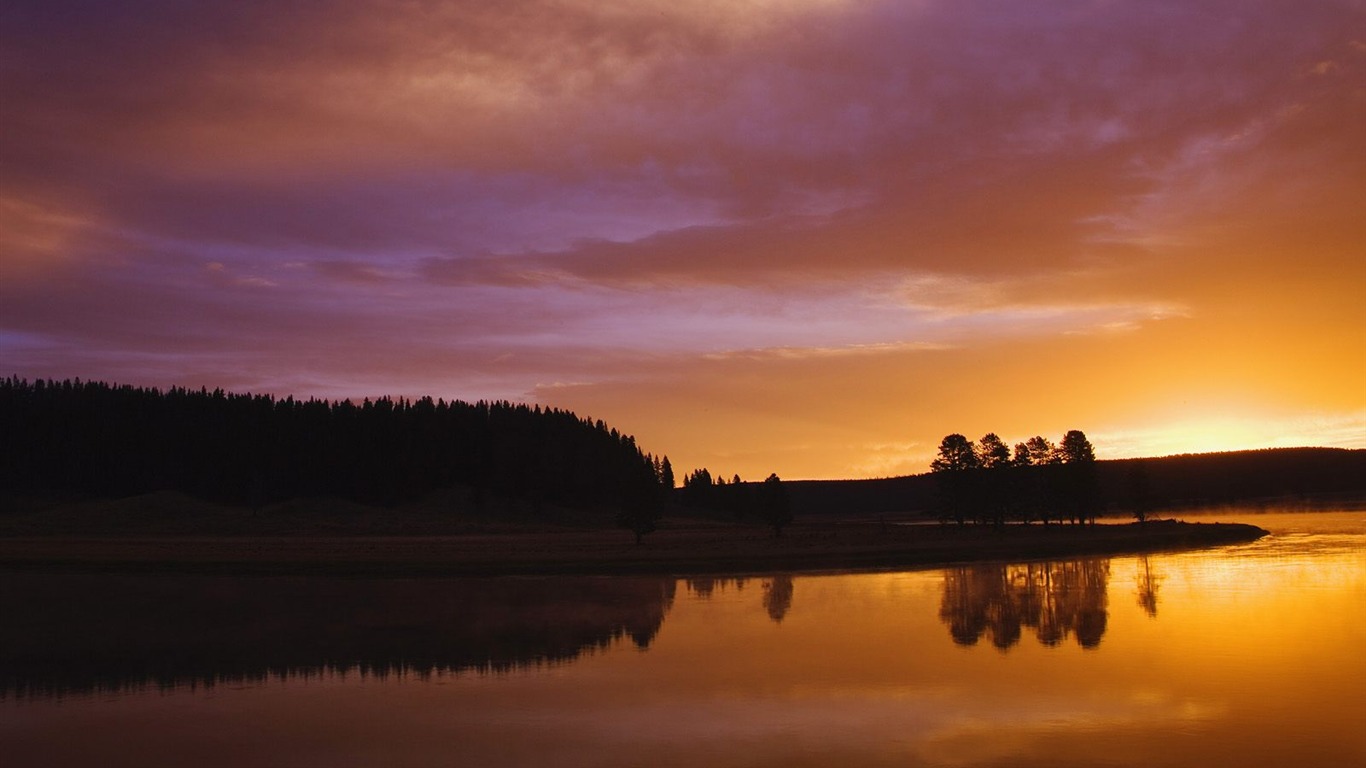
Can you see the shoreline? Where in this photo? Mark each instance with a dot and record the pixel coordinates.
(681, 551)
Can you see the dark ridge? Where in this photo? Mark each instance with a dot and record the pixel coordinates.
(1273, 475)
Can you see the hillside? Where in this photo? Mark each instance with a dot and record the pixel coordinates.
(103, 441)
(1168, 482)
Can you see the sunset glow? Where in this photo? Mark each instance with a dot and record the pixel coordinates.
(808, 238)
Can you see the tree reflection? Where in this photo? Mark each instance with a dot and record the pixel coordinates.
(1055, 599)
(1148, 582)
(704, 586)
(94, 633)
(777, 591)
(778, 596)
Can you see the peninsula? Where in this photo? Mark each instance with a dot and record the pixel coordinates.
(679, 550)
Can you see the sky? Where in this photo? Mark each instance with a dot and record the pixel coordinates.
(809, 237)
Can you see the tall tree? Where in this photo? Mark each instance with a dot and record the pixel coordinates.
(1139, 492)
(954, 475)
(666, 474)
(1076, 448)
(956, 453)
(994, 486)
(1078, 480)
(1041, 451)
(774, 508)
(992, 452)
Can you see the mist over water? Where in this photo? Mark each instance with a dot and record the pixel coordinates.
(1246, 655)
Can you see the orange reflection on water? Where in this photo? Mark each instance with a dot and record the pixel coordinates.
(1244, 656)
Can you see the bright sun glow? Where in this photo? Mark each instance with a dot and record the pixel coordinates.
(1234, 433)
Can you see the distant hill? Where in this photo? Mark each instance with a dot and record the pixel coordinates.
(1168, 482)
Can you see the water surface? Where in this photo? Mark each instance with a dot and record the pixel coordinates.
(1249, 655)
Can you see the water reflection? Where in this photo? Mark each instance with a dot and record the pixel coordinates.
(1253, 661)
(1148, 581)
(85, 633)
(704, 586)
(1054, 599)
(778, 596)
(73, 633)
(68, 633)
(777, 591)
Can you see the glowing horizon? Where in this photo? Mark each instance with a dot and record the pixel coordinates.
(805, 238)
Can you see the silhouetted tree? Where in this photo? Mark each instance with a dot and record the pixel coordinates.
(774, 508)
(994, 482)
(639, 515)
(767, 501)
(1041, 451)
(954, 470)
(666, 474)
(1138, 492)
(992, 452)
(1075, 448)
(956, 454)
(1040, 484)
(1078, 477)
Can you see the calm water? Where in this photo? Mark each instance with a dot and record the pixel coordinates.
(1243, 656)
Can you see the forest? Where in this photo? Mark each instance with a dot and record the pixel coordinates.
(108, 441)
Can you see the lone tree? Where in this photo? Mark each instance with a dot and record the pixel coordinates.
(640, 510)
(774, 508)
(1139, 492)
(640, 519)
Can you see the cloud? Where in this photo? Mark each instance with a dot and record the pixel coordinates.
(826, 353)
(474, 197)
(642, 143)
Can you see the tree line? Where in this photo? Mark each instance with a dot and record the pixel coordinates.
(766, 502)
(106, 440)
(985, 482)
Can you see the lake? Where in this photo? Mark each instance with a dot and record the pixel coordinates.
(1249, 655)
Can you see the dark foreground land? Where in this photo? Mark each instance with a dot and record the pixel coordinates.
(682, 549)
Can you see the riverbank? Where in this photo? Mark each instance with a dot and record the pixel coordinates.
(685, 549)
